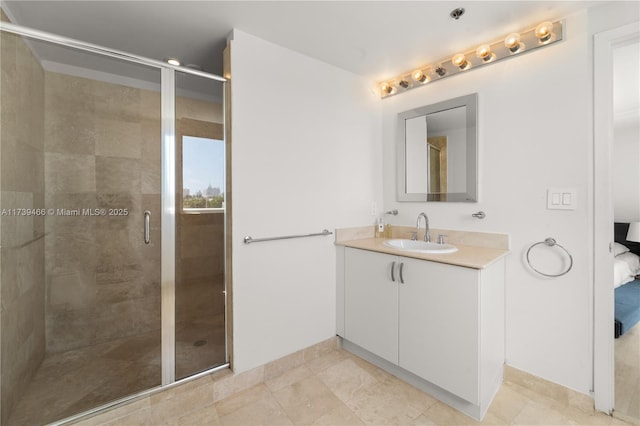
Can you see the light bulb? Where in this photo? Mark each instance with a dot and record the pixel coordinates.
(420, 77)
(512, 42)
(460, 61)
(388, 88)
(544, 31)
(440, 71)
(404, 83)
(484, 52)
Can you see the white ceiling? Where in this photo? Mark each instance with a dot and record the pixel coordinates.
(375, 39)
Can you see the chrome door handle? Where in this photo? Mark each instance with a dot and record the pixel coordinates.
(393, 267)
(147, 222)
(401, 277)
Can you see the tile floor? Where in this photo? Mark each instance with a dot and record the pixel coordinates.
(70, 382)
(627, 370)
(334, 387)
(74, 381)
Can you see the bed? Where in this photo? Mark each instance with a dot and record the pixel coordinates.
(626, 282)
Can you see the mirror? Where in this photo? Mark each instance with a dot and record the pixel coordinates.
(437, 151)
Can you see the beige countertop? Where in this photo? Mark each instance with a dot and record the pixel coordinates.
(468, 256)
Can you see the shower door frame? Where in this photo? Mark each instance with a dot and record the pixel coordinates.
(168, 229)
(168, 198)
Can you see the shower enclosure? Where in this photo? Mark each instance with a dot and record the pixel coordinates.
(111, 284)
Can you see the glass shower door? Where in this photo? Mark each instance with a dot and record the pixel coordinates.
(80, 288)
(110, 285)
(200, 293)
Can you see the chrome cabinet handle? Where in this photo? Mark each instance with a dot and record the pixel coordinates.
(393, 267)
(147, 221)
(401, 277)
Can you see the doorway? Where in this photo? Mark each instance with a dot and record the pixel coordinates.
(626, 209)
(605, 44)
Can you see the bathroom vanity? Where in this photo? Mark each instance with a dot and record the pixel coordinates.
(434, 320)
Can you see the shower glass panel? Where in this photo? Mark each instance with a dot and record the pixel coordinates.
(80, 290)
(200, 226)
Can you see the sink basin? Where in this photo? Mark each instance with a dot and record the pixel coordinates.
(420, 246)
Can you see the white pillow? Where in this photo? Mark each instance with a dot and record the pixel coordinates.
(621, 273)
(619, 249)
(631, 259)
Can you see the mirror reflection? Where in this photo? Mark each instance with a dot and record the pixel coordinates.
(437, 152)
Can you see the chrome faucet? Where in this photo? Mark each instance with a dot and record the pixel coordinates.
(427, 237)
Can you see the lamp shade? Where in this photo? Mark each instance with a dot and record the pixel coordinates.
(634, 232)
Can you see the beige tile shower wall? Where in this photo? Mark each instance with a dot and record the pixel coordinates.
(102, 151)
(200, 267)
(194, 109)
(22, 331)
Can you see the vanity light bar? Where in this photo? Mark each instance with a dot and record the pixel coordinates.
(514, 44)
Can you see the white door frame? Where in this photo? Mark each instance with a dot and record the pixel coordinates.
(603, 347)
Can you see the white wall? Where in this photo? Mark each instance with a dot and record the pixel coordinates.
(305, 156)
(534, 114)
(416, 155)
(625, 170)
(626, 136)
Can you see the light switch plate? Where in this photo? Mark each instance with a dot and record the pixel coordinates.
(561, 199)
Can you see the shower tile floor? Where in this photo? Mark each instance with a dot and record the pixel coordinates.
(75, 381)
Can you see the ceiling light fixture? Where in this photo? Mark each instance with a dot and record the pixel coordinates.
(173, 61)
(457, 13)
(514, 44)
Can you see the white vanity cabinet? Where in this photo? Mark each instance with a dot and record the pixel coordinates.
(371, 302)
(438, 325)
(443, 324)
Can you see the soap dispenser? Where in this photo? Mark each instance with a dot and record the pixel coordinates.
(379, 228)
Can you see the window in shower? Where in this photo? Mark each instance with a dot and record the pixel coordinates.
(202, 174)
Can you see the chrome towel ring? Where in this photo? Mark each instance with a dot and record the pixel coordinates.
(550, 242)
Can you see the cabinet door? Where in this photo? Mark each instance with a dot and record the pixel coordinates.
(439, 327)
(371, 302)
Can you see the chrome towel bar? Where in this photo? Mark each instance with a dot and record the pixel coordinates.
(248, 239)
